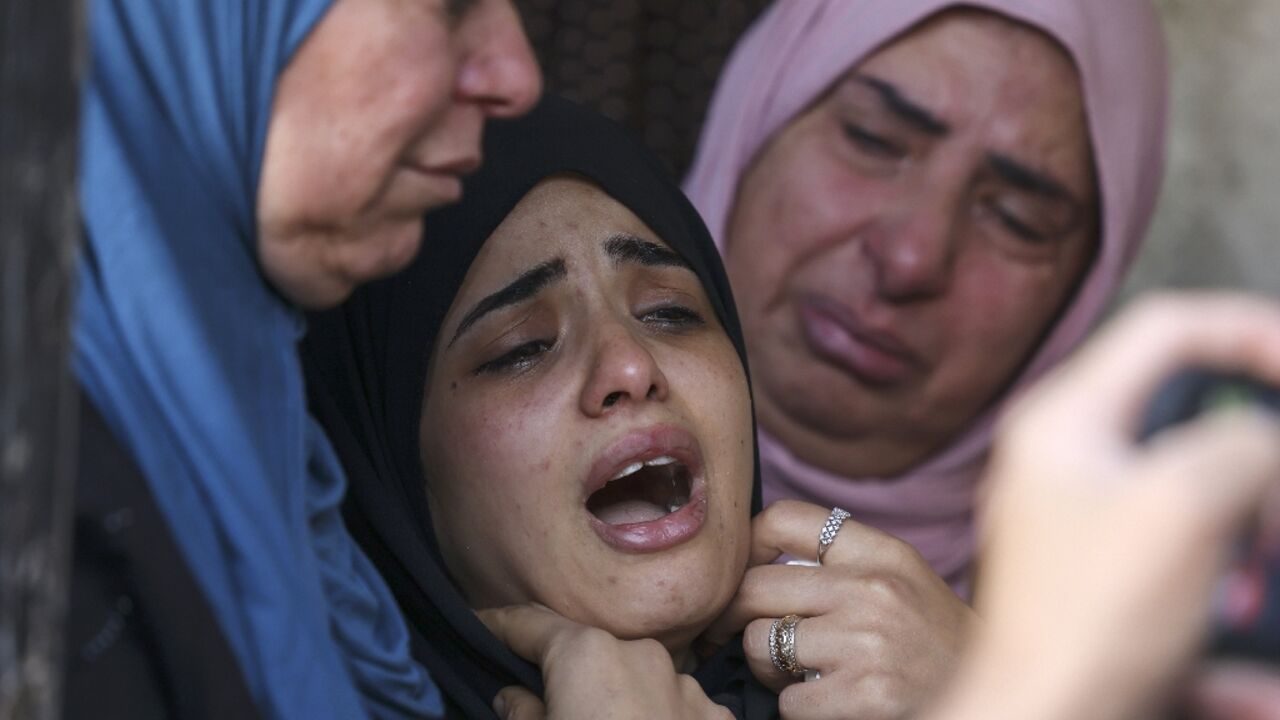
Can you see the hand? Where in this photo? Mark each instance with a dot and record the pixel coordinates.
(588, 673)
(1226, 690)
(1102, 554)
(883, 630)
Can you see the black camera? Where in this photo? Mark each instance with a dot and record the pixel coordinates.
(1248, 622)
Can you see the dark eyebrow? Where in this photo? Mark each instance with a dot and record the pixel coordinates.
(1028, 179)
(624, 248)
(455, 9)
(915, 114)
(526, 286)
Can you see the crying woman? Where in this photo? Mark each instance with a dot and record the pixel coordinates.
(550, 409)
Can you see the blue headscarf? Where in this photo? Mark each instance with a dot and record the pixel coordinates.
(191, 357)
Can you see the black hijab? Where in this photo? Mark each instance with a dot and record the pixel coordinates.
(366, 365)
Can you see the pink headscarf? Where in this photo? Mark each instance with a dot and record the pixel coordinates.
(791, 57)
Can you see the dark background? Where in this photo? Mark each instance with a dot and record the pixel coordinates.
(650, 64)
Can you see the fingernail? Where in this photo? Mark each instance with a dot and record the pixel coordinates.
(500, 706)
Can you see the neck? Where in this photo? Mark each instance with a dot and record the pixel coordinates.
(872, 454)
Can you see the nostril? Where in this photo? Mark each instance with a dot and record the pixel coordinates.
(612, 398)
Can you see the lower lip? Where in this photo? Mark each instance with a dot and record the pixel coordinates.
(833, 342)
(444, 188)
(450, 188)
(657, 535)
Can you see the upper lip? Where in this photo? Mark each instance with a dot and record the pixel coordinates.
(862, 330)
(642, 445)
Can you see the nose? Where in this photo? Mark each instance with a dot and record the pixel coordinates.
(500, 73)
(913, 248)
(622, 371)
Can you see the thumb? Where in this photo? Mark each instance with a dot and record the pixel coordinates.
(515, 702)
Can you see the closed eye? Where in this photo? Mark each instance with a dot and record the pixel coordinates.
(518, 358)
(874, 144)
(673, 316)
(1022, 230)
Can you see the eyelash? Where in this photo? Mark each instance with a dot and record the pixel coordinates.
(1018, 228)
(874, 144)
(517, 358)
(675, 318)
(1014, 225)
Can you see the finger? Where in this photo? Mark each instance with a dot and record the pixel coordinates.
(820, 644)
(695, 699)
(838, 696)
(792, 527)
(527, 629)
(1224, 467)
(1236, 691)
(771, 591)
(755, 645)
(518, 703)
(1125, 363)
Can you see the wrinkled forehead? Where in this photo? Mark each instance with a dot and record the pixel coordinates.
(563, 216)
(1009, 87)
(964, 62)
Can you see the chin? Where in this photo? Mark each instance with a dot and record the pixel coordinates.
(670, 597)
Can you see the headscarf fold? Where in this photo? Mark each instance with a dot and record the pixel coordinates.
(367, 363)
(791, 57)
(191, 358)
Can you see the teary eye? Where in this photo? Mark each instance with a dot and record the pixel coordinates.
(674, 316)
(518, 358)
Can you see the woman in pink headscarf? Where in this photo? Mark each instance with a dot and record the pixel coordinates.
(923, 205)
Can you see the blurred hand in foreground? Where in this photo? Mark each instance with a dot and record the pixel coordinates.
(1100, 554)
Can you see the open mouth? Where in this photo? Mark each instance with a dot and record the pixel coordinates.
(643, 491)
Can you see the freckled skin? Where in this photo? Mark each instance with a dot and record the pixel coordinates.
(912, 247)
(527, 438)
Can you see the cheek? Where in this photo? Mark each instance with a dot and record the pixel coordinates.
(377, 125)
(714, 389)
(998, 306)
(798, 202)
(503, 460)
(416, 89)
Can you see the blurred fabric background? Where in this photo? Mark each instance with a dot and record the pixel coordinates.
(1219, 217)
(652, 64)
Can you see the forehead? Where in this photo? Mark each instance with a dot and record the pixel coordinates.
(561, 216)
(988, 74)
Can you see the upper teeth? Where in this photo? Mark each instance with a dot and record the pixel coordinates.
(635, 466)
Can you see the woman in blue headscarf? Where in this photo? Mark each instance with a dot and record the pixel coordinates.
(241, 161)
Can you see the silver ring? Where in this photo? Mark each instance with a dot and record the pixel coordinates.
(829, 530)
(773, 646)
(782, 646)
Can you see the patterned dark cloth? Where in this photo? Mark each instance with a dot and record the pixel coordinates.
(649, 64)
(142, 641)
